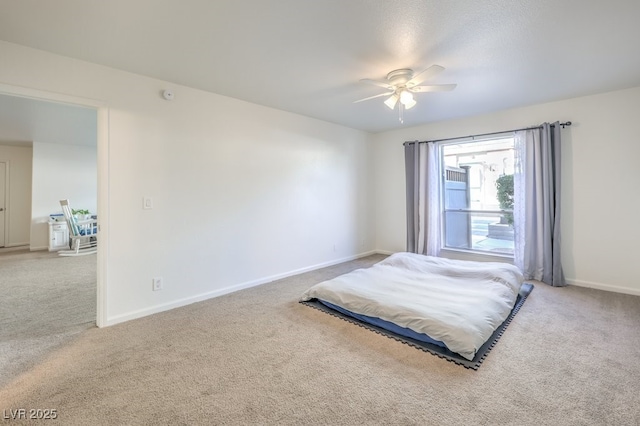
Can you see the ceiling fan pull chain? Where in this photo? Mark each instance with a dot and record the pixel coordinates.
(400, 111)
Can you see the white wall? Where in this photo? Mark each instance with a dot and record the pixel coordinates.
(19, 196)
(242, 193)
(60, 172)
(600, 177)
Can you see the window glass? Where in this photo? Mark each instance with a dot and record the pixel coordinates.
(478, 195)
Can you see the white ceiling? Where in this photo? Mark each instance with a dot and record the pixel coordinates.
(24, 120)
(307, 56)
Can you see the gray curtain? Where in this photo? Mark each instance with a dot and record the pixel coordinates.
(422, 166)
(540, 252)
(411, 167)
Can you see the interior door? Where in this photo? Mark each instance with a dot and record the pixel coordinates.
(3, 196)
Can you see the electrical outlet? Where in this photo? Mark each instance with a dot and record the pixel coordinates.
(157, 284)
(335, 247)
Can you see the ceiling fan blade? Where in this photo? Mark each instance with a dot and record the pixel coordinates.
(373, 97)
(423, 75)
(377, 83)
(433, 88)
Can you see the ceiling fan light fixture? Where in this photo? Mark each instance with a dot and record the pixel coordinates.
(391, 101)
(401, 84)
(407, 98)
(410, 104)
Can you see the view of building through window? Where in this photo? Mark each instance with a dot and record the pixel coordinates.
(478, 195)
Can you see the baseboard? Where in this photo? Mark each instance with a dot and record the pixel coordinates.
(604, 287)
(226, 290)
(388, 253)
(39, 248)
(9, 249)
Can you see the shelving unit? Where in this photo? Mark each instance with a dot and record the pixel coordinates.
(58, 236)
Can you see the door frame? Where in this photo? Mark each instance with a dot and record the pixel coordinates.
(102, 109)
(5, 203)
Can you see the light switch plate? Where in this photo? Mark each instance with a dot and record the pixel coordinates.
(157, 283)
(147, 203)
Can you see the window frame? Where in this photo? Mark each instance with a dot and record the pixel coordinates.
(458, 252)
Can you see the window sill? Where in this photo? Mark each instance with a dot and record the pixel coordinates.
(450, 253)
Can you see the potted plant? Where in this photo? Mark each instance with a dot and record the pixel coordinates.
(504, 229)
(504, 186)
(81, 214)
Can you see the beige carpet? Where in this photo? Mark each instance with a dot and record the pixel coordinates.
(570, 357)
(45, 300)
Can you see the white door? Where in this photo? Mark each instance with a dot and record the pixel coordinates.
(3, 204)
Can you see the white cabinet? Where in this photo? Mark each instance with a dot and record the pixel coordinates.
(58, 236)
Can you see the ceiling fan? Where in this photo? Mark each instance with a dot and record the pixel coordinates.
(403, 83)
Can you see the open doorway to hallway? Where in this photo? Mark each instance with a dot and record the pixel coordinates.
(50, 150)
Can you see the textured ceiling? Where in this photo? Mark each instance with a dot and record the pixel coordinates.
(307, 56)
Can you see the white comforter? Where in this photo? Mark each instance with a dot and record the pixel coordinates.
(457, 302)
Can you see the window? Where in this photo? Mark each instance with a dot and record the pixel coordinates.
(477, 194)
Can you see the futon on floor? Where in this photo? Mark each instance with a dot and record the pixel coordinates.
(453, 303)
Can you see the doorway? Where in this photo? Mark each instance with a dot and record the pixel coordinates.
(3, 201)
(102, 140)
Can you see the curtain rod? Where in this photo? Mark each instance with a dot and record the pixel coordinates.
(563, 125)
